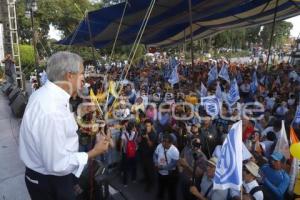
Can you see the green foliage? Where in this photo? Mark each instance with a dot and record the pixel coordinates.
(27, 59)
(63, 14)
(1, 72)
(234, 39)
(281, 34)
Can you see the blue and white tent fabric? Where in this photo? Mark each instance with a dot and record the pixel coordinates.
(229, 167)
(224, 73)
(169, 22)
(211, 105)
(234, 94)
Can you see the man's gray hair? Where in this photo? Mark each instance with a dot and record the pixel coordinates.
(62, 62)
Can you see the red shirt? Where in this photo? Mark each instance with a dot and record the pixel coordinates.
(247, 132)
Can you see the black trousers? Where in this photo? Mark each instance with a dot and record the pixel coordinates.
(169, 183)
(129, 166)
(148, 170)
(49, 187)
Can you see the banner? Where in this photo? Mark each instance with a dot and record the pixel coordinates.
(211, 105)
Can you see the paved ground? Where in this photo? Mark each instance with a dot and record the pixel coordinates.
(12, 184)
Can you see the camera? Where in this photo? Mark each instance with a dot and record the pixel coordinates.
(196, 143)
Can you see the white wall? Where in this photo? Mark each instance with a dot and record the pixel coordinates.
(1, 43)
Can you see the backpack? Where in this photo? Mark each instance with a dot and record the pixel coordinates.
(130, 147)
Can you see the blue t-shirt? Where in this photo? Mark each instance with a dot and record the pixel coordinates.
(277, 181)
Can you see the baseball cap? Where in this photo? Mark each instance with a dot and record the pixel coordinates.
(277, 156)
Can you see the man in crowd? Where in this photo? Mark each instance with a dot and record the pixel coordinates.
(9, 69)
(165, 158)
(275, 179)
(147, 146)
(206, 191)
(250, 184)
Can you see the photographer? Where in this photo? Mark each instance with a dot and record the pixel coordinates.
(208, 136)
(147, 144)
(206, 191)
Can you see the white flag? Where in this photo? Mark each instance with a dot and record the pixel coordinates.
(203, 91)
(229, 167)
(282, 144)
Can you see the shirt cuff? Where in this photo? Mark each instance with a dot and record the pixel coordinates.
(82, 159)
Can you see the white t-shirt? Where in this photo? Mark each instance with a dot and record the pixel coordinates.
(249, 186)
(171, 154)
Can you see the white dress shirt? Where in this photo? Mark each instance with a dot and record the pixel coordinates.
(48, 139)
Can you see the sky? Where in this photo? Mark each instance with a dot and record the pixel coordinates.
(55, 34)
(296, 26)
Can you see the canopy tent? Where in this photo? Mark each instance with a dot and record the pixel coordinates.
(169, 21)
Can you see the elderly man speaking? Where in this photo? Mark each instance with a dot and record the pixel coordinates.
(48, 139)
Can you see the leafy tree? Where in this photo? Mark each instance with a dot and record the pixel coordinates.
(252, 34)
(281, 34)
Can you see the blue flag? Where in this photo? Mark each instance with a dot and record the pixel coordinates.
(229, 167)
(203, 90)
(277, 81)
(234, 94)
(224, 73)
(174, 78)
(239, 77)
(264, 80)
(297, 116)
(254, 83)
(211, 105)
(219, 92)
(212, 75)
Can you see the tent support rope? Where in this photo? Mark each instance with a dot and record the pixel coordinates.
(272, 35)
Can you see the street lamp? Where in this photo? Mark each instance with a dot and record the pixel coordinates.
(31, 8)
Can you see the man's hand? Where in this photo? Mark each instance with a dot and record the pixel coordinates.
(183, 162)
(194, 190)
(100, 147)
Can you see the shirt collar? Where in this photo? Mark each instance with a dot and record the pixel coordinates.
(250, 185)
(59, 92)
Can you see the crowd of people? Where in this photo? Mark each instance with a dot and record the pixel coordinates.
(164, 127)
